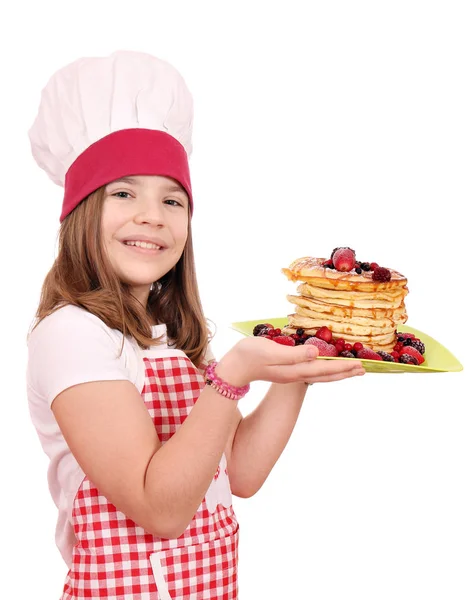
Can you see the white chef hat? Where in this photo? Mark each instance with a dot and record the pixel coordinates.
(104, 118)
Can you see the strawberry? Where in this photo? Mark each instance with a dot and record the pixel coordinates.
(324, 333)
(413, 352)
(324, 348)
(373, 266)
(344, 259)
(286, 340)
(368, 354)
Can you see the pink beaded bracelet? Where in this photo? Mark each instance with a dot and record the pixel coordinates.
(225, 389)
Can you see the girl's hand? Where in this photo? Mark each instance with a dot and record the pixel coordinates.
(260, 359)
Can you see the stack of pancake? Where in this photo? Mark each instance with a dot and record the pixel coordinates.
(352, 305)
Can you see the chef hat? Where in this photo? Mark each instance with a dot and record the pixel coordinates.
(104, 118)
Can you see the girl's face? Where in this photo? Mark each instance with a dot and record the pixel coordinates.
(144, 228)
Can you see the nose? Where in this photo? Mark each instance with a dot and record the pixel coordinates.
(151, 212)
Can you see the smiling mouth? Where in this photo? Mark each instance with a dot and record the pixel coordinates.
(144, 245)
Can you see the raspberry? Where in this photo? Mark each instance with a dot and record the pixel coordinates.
(410, 350)
(381, 274)
(395, 355)
(346, 354)
(368, 354)
(324, 348)
(406, 359)
(259, 328)
(277, 331)
(418, 345)
(286, 340)
(373, 266)
(358, 346)
(386, 356)
(348, 347)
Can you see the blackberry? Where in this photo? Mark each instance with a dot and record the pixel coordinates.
(300, 331)
(358, 270)
(346, 354)
(365, 266)
(258, 329)
(407, 342)
(418, 345)
(406, 359)
(386, 356)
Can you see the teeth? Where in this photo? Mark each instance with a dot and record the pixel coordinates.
(144, 245)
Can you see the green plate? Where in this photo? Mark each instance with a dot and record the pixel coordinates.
(438, 359)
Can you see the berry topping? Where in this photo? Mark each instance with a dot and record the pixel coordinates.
(358, 270)
(395, 355)
(324, 348)
(373, 266)
(418, 345)
(407, 342)
(300, 331)
(348, 347)
(324, 333)
(381, 274)
(408, 360)
(277, 331)
(328, 264)
(259, 328)
(344, 259)
(386, 356)
(412, 352)
(368, 354)
(286, 340)
(365, 266)
(358, 346)
(339, 248)
(346, 354)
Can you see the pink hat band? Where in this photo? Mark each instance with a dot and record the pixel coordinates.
(125, 153)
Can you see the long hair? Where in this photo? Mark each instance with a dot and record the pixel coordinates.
(83, 276)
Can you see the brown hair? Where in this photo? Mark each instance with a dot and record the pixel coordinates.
(83, 276)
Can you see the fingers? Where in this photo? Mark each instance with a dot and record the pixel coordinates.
(316, 370)
(337, 376)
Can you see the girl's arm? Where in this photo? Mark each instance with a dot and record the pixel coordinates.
(160, 487)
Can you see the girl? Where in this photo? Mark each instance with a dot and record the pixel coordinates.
(141, 425)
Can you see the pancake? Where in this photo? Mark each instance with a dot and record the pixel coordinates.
(354, 316)
(311, 270)
(397, 315)
(351, 304)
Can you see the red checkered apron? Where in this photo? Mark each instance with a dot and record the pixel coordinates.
(117, 559)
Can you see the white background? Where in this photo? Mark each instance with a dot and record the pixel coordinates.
(352, 124)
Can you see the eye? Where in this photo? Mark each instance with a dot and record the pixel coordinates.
(122, 194)
(172, 202)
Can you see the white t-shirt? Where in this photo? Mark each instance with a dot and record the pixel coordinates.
(69, 347)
